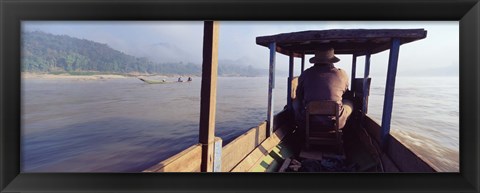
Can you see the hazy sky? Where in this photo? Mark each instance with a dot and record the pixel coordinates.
(175, 41)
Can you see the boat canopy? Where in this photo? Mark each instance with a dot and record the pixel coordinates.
(345, 41)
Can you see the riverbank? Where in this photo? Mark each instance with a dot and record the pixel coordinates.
(100, 76)
(29, 75)
(87, 76)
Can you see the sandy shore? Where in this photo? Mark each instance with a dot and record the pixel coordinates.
(27, 75)
(44, 76)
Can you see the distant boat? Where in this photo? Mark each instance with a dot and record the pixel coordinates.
(154, 81)
(161, 81)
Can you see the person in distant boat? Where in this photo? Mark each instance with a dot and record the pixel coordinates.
(163, 80)
(322, 81)
(189, 79)
(180, 79)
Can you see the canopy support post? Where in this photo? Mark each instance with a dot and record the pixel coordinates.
(354, 71)
(289, 83)
(271, 86)
(389, 92)
(217, 155)
(303, 62)
(208, 94)
(365, 81)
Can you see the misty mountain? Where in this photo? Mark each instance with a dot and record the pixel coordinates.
(163, 51)
(44, 52)
(243, 61)
(240, 66)
(248, 65)
(237, 70)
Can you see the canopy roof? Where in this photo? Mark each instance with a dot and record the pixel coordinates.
(344, 41)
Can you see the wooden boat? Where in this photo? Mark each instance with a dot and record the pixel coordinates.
(153, 81)
(160, 81)
(270, 146)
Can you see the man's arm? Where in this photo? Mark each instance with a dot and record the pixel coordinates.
(299, 92)
(347, 94)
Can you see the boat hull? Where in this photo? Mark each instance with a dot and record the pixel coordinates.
(254, 151)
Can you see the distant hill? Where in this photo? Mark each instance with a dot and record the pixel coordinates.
(44, 52)
(240, 67)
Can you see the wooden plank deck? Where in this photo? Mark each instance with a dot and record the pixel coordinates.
(188, 160)
(233, 153)
(255, 157)
(285, 165)
(238, 149)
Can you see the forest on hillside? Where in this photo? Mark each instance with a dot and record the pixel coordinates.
(47, 53)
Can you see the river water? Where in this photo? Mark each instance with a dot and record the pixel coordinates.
(125, 125)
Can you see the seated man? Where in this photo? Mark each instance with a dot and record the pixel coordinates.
(322, 81)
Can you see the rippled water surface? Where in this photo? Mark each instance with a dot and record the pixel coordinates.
(425, 117)
(125, 125)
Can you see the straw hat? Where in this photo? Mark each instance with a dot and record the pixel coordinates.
(324, 56)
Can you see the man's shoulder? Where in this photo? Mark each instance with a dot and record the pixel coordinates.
(341, 71)
(306, 71)
(343, 74)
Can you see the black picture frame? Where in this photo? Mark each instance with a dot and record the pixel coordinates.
(12, 12)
